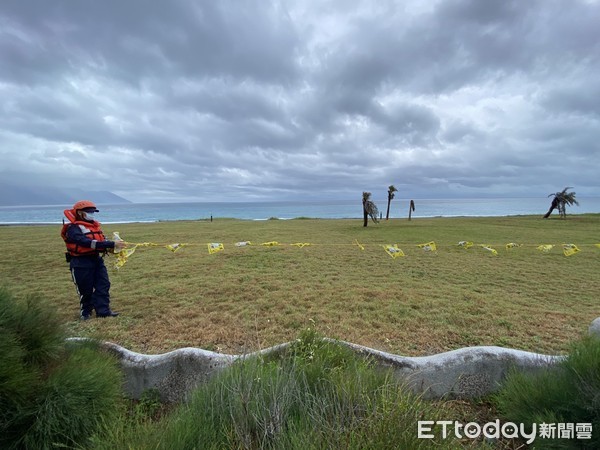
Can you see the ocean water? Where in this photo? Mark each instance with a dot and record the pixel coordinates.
(154, 212)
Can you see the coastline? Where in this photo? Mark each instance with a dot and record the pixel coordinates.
(215, 219)
(323, 210)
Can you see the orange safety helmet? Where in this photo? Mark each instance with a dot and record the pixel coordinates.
(84, 204)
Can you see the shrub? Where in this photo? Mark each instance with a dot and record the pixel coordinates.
(568, 393)
(50, 395)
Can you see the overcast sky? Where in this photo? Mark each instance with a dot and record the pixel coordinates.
(266, 100)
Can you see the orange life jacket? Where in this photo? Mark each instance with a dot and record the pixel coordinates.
(89, 229)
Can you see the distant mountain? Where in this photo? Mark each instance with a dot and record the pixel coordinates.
(23, 196)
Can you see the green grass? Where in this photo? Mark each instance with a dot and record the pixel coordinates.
(243, 299)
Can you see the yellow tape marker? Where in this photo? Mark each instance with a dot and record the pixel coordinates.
(301, 244)
(215, 247)
(545, 247)
(270, 244)
(512, 245)
(175, 247)
(393, 251)
(489, 249)
(570, 249)
(359, 245)
(465, 244)
(428, 247)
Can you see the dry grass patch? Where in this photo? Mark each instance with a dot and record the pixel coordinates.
(243, 299)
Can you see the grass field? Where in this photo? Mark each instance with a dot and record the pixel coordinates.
(245, 298)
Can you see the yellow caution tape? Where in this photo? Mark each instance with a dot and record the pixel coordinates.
(123, 255)
(391, 249)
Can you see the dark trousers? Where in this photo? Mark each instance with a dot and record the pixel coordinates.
(91, 280)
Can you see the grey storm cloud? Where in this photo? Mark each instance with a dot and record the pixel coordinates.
(204, 100)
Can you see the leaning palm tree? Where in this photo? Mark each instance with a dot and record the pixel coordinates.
(369, 209)
(391, 191)
(560, 201)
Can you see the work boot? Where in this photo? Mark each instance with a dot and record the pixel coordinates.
(110, 314)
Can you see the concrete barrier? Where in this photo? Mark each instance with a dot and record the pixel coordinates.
(594, 329)
(464, 373)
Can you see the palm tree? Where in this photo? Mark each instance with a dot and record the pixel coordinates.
(391, 191)
(560, 201)
(369, 209)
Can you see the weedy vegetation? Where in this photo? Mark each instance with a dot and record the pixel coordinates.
(567, 394)
(315, 395)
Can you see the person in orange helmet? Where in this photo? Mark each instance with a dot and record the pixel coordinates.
(86, 247)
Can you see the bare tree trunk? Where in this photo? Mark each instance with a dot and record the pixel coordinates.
(365, 215)
(411, 208)
(387, 214)
(553, 206)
